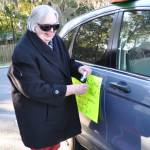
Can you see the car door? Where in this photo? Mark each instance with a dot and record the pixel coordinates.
(90, 44)
(128, 93)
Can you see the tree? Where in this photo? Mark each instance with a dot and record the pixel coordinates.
(71, 8)
(14, 13)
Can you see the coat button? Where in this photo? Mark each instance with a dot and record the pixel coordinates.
(56, 92)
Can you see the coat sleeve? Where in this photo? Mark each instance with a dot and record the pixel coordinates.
(74, 66)
(25, 76)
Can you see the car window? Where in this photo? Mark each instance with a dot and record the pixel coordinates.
(91, 41)
(134, 43)
(69, 40)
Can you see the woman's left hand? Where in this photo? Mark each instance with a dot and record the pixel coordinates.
(86, 69)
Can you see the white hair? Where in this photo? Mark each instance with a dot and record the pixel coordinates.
(37, 15)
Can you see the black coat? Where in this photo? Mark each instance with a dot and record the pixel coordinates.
(39, 77)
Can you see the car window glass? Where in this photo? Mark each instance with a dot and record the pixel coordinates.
(135, 42)
(69, 39)
(92, 41)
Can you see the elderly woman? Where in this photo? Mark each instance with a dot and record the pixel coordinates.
(42, 93)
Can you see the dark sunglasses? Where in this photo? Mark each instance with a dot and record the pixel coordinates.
(48, 27)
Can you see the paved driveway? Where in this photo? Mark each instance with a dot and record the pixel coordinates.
(9, 134)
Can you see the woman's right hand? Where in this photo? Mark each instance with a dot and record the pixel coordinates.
(76, 89)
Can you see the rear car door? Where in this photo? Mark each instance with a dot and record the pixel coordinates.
(128, 93)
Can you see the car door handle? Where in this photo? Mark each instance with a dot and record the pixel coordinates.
(121, 86)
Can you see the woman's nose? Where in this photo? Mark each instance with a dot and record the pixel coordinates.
(52, 30)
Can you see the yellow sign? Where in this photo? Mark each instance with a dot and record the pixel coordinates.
(89, 103)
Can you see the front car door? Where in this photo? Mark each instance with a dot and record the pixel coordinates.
(89, 43)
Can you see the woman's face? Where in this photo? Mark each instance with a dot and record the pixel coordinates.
(45, 30)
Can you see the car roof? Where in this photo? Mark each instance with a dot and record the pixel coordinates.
(108, 9)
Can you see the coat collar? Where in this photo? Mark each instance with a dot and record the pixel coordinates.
(46, 52)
